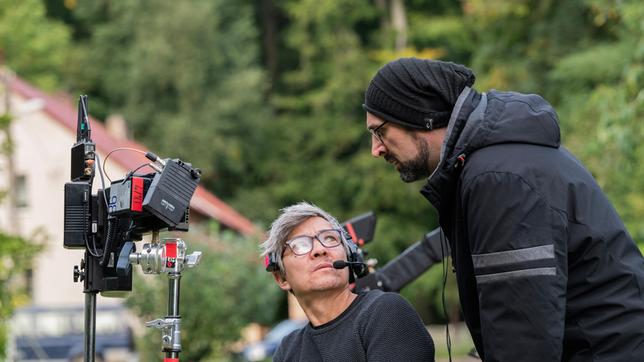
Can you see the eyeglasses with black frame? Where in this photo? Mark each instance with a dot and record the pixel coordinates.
(376, 132)
(303, 244)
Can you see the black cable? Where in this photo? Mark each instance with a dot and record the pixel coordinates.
(448, 339)
(120, 149)
(94, 252)
(132, 173)
(111, 231)
(100, 172)
(112, 223)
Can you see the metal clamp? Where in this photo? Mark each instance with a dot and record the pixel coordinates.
(193, 259)
(170, 332)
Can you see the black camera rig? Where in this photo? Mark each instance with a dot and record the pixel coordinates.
(107, 223)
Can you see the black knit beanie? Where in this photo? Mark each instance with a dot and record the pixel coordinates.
(417, 93)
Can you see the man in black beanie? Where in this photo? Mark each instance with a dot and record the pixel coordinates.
(546, 269)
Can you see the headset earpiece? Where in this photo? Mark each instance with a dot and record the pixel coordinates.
(270, 262)
(354, 256)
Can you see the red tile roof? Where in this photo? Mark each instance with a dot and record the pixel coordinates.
(60, 108)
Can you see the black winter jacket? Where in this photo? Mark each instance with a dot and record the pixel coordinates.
(546, 269)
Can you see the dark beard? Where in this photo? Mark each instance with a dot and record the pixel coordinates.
(416, 168)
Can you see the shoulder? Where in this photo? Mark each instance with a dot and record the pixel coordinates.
(294, 337)
(518, 170)
(385, 305)
(378, 298)
(290, 344)
(392, 330)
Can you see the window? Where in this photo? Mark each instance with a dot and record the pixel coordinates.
(21, 191)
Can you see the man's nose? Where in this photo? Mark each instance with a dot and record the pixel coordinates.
(377, 148)
(318, 248)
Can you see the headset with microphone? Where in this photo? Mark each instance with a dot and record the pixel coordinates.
(355, 259)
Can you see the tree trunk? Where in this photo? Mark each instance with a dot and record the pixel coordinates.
(269, 38)
(399, 23)
(384, 21)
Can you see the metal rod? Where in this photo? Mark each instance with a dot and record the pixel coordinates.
(174, 283)
(90, 326)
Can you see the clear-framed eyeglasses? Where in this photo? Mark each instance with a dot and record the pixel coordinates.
(377, 132)
(303, 244)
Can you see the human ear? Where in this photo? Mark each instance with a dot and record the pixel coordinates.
(281, 282)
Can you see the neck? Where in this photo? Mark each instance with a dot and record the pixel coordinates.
(321, 308)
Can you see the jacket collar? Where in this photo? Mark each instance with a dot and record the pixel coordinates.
(441, 180)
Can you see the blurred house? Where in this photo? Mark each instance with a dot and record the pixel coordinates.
(43, 130)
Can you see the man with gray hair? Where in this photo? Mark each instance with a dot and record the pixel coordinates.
(303, 243)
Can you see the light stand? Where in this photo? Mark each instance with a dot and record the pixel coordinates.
(90, 326)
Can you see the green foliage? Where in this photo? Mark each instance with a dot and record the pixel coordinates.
(441, 25)
(607, 62)
(228, 290)
(519, 42)
(5, 121)
(16, 255)
(189, 78)
(31, 44)
(319, 147)
(185, 75)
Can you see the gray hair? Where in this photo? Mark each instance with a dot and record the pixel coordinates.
(290, 218)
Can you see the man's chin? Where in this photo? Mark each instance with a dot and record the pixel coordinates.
(412, 171)
(408, 179)
(409, 176)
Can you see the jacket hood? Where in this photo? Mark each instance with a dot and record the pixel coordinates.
(481, 120)
(506, 117)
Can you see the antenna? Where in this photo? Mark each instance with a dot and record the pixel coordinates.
(83, 131)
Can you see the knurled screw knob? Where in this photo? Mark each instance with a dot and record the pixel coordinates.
(77, 273)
